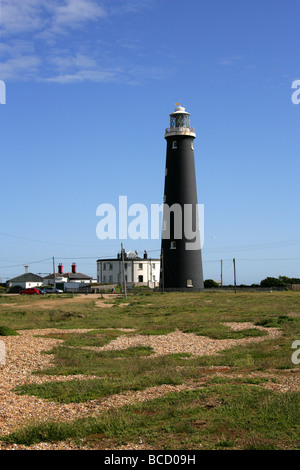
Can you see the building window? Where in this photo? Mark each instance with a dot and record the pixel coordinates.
(192, 145)
(153, 265)
(174, 144)
(110, 267)
(110, 279)
(189, 283)
(125, 265)
(173, 245)
(104, 278)
(104, 266)
(141, 278)
(140, 265)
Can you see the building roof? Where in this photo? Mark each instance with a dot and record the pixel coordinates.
(70, 276)
(139, 260)
(130, 256)
(27, 277)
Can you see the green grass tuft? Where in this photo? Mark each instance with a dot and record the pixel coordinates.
(5, 331)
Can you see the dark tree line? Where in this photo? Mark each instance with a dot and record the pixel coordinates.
(281, 281)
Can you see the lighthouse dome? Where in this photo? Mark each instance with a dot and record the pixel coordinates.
(179, 109)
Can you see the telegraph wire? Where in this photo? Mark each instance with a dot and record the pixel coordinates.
(215, 250)
(45, 242)
(151, 251)
(255, 246)
(267, 259)
(22, 264)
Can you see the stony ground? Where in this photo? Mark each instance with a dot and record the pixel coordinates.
(24, 355)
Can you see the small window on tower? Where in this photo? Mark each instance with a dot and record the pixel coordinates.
(174, 144)
(189, 283)
(173, 245)
(192, 145)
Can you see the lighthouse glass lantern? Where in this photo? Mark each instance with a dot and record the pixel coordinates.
(180, 118)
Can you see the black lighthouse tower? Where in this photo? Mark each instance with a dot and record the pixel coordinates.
(181, 258)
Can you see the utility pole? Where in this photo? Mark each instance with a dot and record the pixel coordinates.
(234, 271)
(124, 279)
(221, 272)
(162, 270)
(53, 271)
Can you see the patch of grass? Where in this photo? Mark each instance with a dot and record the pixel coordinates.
(219, 331)
(276, 322)
(181, 355)
(240, 380)
(94, 338)
(75, 391)
(258, 445)
(225, 443)
(155, 331)
(228, 416)
(135, 351)
(6, 331)
(116, 368)
(262, 356)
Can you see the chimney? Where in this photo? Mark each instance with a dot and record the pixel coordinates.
(73, 267)
(60, 268)
(145, 254)
(26, 268)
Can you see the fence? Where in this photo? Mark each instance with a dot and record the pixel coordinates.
(143, 290)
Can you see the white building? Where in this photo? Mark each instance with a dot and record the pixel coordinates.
(26, 281)
(69, 280)
(138, 271)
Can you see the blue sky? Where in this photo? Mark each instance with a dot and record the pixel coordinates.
(89, 88)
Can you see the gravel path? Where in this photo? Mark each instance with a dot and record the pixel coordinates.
(24, 355)
(178, 342)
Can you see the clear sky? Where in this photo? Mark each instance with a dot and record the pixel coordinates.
(89, 88)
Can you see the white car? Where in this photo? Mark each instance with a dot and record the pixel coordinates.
(53, 290)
